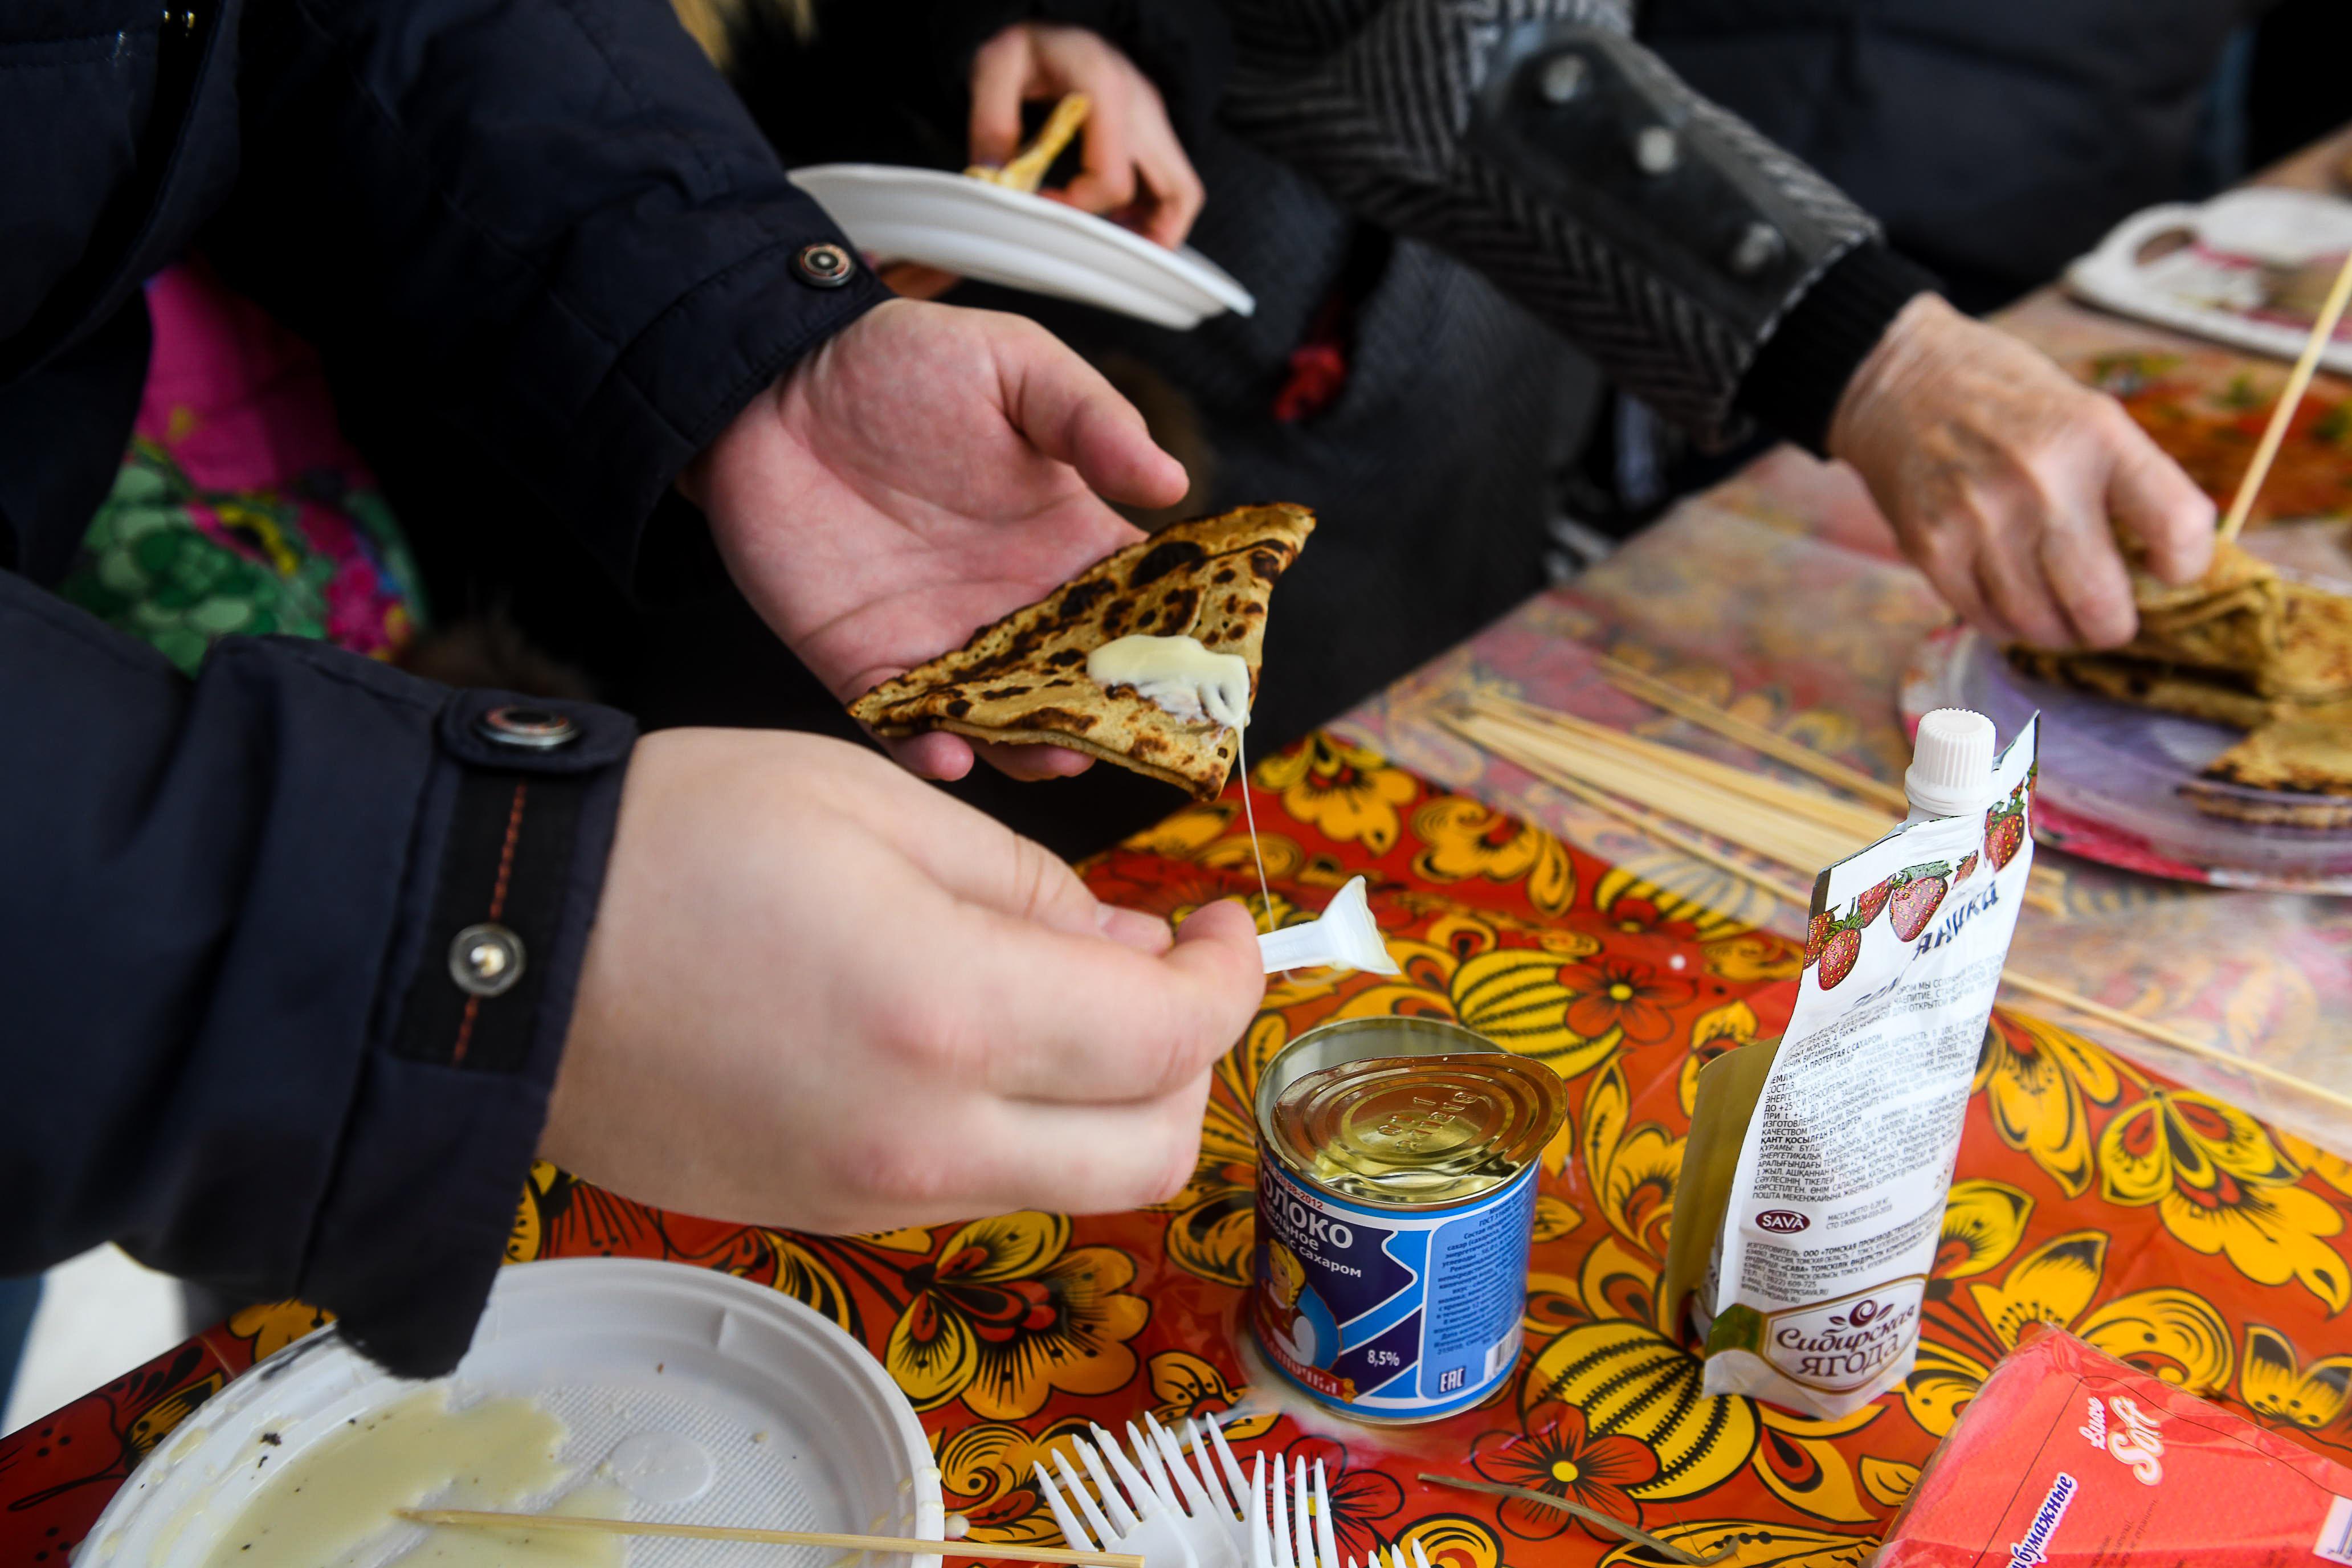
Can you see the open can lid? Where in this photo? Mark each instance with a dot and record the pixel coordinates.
(1409, 1131)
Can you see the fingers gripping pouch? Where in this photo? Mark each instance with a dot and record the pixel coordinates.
(1818, 1164)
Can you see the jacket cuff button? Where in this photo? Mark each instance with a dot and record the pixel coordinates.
(527, 728)
(823, 265)
(486, 960)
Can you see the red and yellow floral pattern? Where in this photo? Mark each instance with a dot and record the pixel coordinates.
(2165, 1226)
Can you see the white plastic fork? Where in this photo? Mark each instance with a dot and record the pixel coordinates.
(1280, 1537)
(1176, 1515)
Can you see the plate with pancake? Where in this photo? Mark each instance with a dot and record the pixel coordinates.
(2215, 747)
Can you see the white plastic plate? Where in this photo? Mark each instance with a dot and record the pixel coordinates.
(1020, 241)
(800, 1427)
(2213, 286)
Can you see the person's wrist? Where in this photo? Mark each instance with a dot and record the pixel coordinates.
(1909, 344)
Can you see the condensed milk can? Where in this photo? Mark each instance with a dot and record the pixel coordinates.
(1396, 1202)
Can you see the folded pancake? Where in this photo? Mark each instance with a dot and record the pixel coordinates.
(2229, 619)
(1024, 680)
(2216, 697)
(2307, 755)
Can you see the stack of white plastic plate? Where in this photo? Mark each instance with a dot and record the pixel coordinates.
(704, 1398)
(1009, 237)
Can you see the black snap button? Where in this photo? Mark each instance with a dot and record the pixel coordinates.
(823, 265)
(486, 960)
(527, 728)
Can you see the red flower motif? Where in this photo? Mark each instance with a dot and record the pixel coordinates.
(1360, 1498)
(1557, 1454)
(1624, 994)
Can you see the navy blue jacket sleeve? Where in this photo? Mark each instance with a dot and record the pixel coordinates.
(234, 1040)
(539, 238)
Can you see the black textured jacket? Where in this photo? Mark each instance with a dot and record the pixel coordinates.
(536, 232)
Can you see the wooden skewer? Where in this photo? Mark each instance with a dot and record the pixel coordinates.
(477, 1518)
(1658, 693)
(1795, 827)
(2323, 332)
(1674, 839)
(1028, 167)
(2163, 1035)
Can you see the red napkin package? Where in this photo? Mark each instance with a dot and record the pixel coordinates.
(2069, 1458)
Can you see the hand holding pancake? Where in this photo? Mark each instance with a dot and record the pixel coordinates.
(926, 471)
(822, 994)
(2008, 483)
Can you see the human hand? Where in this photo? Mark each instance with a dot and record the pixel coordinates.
(925, 472)
(823, 995)
(2008, 482)
(1133, 169)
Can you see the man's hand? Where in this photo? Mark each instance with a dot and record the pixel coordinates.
(2008, 482)
(820, 995)
(920, 475)
(1133, 169)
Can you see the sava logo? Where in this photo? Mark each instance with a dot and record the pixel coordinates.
(1781, 1222)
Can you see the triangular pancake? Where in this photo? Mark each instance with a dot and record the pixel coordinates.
(2315, 661)
(1023, 679)
(2307, 760)
(2229, 619)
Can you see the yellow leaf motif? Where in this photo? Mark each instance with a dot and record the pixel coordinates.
(1942, 1381)
(2333, 1169)
(1890, 1482)
(1754, 958)
(1648, 890)
(2167, 1331)
(274, 1325)
(1191, 830)
(1452, 1540)
(2275, 1383)
(1515, 998)
(907, 1238)
(1185, 1385)
(2035, 1078)
(1465, 839)
(987, 1472)
(1629, 1378)
(1983, 1222)
(2220, 1185)
(1348, 793)
(1555, 1217)
(1744, 1543)
(2052, 1284)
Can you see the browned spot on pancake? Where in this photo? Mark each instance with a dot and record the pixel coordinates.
(1060, 719)
(959, 708)
(1267, 563)
(1253, 609)
(1225, 575)
(1147, 743)
(1163, 558)
(1003, 692)
(1067, 657)
(1177, 611)
(1080, 597)
(1115, 617)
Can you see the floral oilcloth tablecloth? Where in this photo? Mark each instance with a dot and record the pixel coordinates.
(2165, 1226)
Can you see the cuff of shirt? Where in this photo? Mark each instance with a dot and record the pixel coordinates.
(1794, 383)
(452, 1097)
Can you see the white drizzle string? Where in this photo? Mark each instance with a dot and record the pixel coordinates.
(1241, 757)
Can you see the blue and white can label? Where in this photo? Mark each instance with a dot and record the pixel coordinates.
(1390, 1314)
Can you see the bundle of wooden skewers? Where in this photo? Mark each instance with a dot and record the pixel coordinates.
(1731, 817)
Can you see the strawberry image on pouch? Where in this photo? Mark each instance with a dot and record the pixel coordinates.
(1967, 869)
(2005, 829)
(1918, 892)
(1839, 952)
(1817, 935)
(1867, 907)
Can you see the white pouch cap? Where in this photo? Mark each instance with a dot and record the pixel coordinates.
(1344, 936)
(1951, 763)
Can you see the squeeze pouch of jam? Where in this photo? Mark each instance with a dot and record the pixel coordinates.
(1818, 1164)
(2068, 1458)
